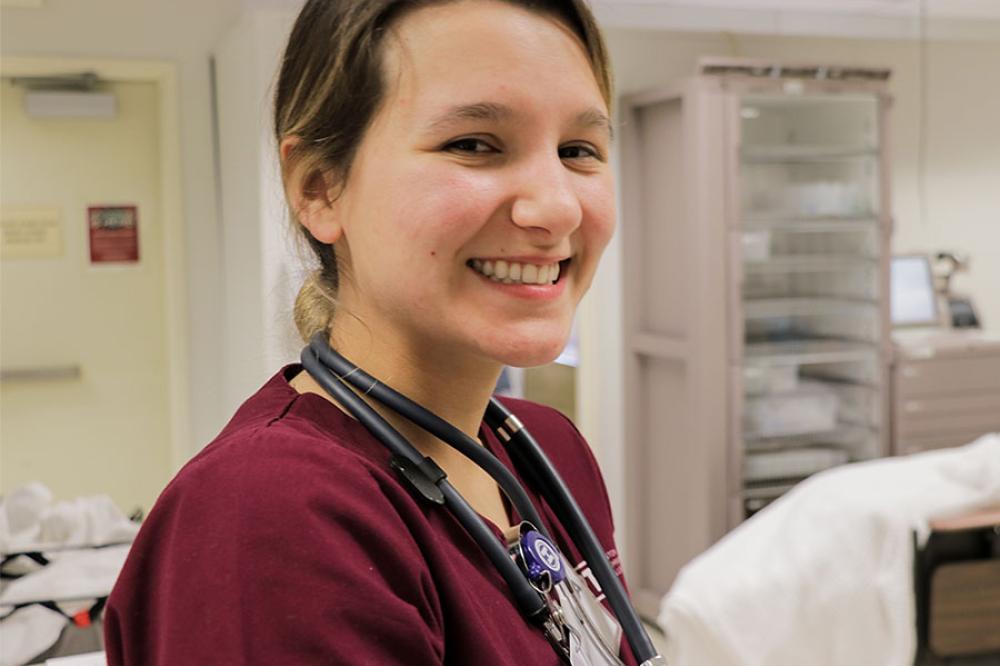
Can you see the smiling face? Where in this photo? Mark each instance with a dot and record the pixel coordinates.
(481, 198)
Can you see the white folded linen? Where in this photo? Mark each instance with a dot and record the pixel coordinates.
(89, 659)
(824, 575)
(76, 574)
(30, 521)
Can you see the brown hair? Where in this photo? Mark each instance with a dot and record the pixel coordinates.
(330, 87)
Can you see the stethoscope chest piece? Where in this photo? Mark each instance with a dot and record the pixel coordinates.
(539, 558)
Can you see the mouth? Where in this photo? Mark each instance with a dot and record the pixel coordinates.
(513, 272)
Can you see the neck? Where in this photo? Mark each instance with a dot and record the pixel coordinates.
(457, 388)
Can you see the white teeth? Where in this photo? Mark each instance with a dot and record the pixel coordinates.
(516, 273)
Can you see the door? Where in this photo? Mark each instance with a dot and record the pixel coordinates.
(84, 397)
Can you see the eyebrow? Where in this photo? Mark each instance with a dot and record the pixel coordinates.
(493, 112)
(595, 118)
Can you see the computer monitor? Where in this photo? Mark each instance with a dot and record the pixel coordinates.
(913, 302)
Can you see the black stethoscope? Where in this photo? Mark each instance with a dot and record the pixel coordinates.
(542, 584)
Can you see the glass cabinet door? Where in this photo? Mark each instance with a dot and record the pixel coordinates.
(810, 244)
(809, 157)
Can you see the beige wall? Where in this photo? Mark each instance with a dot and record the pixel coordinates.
(107, 430)
(262, 263)
(182, 32)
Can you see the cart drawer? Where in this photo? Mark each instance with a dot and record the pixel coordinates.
(965, 609)
(948, 376)
(930, 423)
(918, 444)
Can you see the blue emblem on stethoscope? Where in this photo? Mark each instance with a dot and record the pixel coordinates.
(539, 559)
(541, 556)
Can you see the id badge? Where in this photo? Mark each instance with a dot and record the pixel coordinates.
(594, 634)
(581, 628)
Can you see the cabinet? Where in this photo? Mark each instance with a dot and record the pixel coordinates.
(756, 233)
(945, 389)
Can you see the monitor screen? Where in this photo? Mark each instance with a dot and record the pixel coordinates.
(913, 301)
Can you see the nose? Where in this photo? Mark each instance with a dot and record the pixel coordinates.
(546, 199)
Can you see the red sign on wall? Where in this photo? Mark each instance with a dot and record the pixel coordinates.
(114, 234)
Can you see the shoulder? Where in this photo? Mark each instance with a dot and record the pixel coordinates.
(284, 461)
(281, 516)
(284, 446)
(263, 474)
(268, 490)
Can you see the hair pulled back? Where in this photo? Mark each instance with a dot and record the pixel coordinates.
(330, 87)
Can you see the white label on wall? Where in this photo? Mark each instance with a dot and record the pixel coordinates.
(30, 233)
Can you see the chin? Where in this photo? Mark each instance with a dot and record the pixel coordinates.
(529, 351)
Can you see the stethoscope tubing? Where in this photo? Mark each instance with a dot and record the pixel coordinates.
(527, 598)
(333, 372)
(530, 459)
(433, 424)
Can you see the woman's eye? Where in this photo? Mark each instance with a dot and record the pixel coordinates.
(576, 151)
(475, 146)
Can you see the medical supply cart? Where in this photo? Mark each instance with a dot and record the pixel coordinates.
(756, 227)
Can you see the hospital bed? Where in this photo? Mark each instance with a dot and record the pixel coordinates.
(891, 562)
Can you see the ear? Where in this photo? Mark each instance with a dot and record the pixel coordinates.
(311, 195)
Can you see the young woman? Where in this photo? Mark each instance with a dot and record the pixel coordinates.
(448, 164)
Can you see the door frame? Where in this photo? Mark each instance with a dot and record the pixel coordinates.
(164, 76)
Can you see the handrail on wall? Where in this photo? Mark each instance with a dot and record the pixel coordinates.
(40, 374)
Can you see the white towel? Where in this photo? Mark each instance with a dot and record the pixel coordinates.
(824, 575)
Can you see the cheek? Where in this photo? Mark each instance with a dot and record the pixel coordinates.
(598, 200)
(440, 209)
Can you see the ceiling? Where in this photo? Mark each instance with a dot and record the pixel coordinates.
(877, 19)
(933, 8)
(892, 19)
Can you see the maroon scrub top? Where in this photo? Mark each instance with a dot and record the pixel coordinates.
(288, 540)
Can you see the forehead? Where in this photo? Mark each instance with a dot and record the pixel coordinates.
(453, 53)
